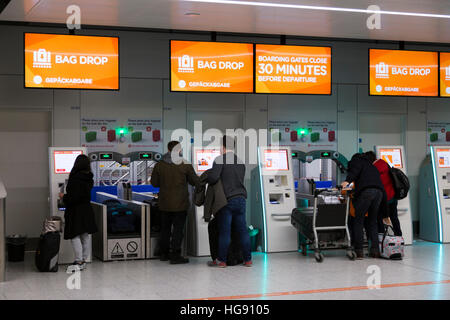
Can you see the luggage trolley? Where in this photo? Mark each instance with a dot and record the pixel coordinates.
(324, 225)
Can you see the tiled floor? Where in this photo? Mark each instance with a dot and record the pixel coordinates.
(273, 276)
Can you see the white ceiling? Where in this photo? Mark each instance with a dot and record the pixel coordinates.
(262, 18)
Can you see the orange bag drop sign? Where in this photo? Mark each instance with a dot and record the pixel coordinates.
(445, 74)
(292, 69)
(71, 62)
(403, 73)
(211, 66)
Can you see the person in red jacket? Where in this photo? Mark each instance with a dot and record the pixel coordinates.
(383, 167)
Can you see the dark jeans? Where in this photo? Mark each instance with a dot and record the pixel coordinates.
(172, 238)
(233, 215)
(393, 215)
(367, 201)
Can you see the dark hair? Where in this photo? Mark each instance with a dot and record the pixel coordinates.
(172, 145)
(228, 142)
(82, 163)
(371, 156)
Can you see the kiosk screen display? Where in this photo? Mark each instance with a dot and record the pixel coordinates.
(64, 160)
(205, 158)
(443, 156)
(393, 156)
(276, 160)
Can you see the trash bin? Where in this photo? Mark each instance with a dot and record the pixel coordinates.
(253, 232)
(16, 247)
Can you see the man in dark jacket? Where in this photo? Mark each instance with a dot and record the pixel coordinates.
(369, 197)
(230, 169)
(172, 175)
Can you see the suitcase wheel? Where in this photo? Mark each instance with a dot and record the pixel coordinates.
(351, 255)
(318, 256)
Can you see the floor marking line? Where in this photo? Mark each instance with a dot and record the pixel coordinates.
(311, 291)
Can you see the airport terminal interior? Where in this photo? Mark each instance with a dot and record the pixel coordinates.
(302, 86)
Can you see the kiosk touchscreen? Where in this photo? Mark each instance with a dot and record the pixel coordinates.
(61, 163)
(273, 199)
(434, 181)
(395, 157)
(198, 240)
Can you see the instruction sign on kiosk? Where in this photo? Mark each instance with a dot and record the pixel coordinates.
(393, 156)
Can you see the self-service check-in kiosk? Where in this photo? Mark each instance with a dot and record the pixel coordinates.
(121, 228)
(395, 157)
(198, 239)
(273, 198)
(434, 179)
(61, 163)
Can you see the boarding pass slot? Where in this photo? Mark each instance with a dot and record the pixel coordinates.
(446, 193)
(276, 198)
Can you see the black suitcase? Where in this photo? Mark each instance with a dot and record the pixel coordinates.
(235, 255)
(46, 258)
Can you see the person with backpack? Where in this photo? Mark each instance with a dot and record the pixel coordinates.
(79, 215)
(172, 176)
(231, 171)
(386, 178)
(369, 197)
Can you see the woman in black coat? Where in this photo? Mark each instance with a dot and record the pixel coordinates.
(79, 216)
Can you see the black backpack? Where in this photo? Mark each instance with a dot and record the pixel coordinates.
(400, 182)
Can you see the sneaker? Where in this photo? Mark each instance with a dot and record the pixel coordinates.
(222, 265)
(82, 266)
(248, 263)
(179, 260)
(74, 267)
(212, 263)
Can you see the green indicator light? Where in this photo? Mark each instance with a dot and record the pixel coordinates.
(121, 131)
(145, 155)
